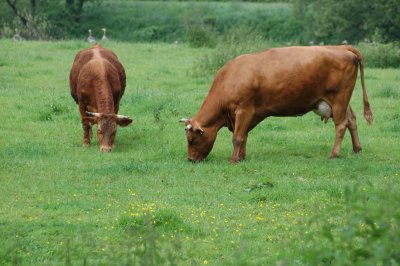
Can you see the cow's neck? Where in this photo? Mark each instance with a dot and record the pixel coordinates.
(211, 113)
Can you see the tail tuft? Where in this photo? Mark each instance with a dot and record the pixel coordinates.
(368, 114)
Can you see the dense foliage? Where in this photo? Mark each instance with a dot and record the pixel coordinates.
(301, 21)
(351, 20)
(233, 44)
(196, 22)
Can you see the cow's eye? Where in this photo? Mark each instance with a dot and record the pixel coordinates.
(190, 141)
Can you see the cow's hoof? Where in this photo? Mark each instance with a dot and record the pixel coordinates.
(333, 156)
(234, 161)
(85, 145)
(357, 149)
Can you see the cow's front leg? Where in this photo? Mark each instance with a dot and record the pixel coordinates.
(87, 132)
(242, 150)
(86, 123)
(239, 149)
(242, 122)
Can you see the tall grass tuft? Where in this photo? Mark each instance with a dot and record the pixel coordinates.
(146, 245)
(388, 92)
(198, 35)
(235, 42)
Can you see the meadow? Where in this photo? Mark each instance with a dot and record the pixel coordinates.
(145, 204)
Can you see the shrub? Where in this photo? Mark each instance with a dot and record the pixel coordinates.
(199, 35)
(368, 235)
(35, 28)
(235, 42)
(380, 55)
(146, 34)
(388, 92)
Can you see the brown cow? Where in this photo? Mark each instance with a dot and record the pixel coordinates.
(97, 81)
(288, 81)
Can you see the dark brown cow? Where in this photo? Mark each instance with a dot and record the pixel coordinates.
(97, 82)
(288, 81)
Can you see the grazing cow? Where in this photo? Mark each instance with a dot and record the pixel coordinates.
(97, 82)
(288, 81)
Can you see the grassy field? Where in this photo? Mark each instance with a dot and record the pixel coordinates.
(145, 204)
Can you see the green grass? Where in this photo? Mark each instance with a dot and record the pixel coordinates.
(144, 203)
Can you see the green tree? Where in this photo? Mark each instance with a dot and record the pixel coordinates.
(40, 19)
(24, 18)
(333, 21)
(75, 8)
(385, 19)
(19, 10)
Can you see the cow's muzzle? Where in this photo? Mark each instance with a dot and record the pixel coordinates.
(195, 160)
(105, 149)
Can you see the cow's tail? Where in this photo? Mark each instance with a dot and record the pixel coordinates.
(367, 108)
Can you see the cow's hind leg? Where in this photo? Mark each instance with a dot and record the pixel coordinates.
(352, 126)
(340, 120)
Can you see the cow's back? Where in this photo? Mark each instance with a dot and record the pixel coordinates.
(285, 81)
(98, 86)
(84, 57)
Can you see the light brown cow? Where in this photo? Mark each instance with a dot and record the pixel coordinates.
(97, 82)
(288, 81)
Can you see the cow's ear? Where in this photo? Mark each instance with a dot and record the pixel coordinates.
(185, 120)
(123, 121)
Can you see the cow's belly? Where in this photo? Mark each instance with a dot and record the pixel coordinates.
(322, 109)
(287, 99)
(287, 107)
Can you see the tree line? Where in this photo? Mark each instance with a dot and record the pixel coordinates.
(319, 21)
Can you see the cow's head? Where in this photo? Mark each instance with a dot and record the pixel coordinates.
(200, 139)
(107, 128)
